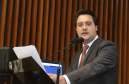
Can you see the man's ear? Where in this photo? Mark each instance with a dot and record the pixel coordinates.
(96, 28)
(76, 29)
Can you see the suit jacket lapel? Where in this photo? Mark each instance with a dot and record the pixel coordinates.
(76, 60)
(96, 42)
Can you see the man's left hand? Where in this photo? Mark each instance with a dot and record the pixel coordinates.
(54, 78)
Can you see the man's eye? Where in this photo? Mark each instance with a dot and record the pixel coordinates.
(88, 23)
(80, 24)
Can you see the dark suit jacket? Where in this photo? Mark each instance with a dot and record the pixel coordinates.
(100, 65)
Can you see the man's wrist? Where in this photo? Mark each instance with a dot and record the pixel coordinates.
(62, 80)
(67, 79)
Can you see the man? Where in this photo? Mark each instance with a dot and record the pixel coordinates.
(100, 64)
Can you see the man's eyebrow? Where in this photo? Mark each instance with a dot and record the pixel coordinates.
(79, 22)
(88, 21)
(85, 21)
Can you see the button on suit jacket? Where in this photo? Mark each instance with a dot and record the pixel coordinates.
(100, 65)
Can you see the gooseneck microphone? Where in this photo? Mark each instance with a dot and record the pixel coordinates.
(79, 40)
(72, 41)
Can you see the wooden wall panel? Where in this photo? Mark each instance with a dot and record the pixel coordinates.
(27, 23)
(21, 24)
(9, 21)
(85, 4)
(80, 2)
(2, 26)
(73, 29)
(124, 43)
(105, 20)
(100, 16)
(15, 23)
(45, 29)
(79, 5)
(57, 29)
(120, 13)
(91, 5)
(115, 21)
(127, 53)
(110, 20)
(33, 22)
(95, 5)
(39, 26)
(49, 25)
(68, 30)
(62, 28)
(1, 1)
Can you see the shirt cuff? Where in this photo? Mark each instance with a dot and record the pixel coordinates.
(67, 79)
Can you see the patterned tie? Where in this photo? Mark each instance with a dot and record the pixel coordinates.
(83, 54)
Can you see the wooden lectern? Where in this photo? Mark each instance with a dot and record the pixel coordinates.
(27, 71)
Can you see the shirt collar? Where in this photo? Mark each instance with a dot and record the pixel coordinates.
(89, 44)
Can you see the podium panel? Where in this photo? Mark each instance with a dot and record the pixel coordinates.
(29, 72)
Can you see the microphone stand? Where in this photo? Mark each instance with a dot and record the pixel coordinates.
(72, 41)
(58, 70)
(58, 51)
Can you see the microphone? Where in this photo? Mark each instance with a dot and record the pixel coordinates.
(79, 40)
(72, 41)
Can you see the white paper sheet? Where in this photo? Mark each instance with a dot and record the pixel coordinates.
(27, 51)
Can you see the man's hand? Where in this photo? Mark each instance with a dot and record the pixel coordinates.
(54, 77)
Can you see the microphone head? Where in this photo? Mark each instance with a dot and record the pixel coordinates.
(80, 40)
(73, 40)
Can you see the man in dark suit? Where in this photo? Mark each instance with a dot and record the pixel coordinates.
(97, 62)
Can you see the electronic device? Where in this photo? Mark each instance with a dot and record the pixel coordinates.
(52, 66)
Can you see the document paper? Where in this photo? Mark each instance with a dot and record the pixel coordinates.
(27, 51)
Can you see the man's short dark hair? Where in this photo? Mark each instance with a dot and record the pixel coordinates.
(83, 12)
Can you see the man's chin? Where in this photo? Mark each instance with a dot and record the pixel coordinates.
(86, 38)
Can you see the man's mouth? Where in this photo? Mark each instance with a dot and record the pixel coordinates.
(85, 33)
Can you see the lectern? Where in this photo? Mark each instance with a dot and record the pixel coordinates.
(29, 72)
(24, 71)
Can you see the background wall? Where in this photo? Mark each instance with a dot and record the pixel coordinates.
(49, 25)
(0, 9)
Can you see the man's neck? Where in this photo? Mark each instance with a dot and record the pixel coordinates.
(85, 43)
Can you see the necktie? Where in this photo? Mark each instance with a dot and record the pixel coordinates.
(83, 54)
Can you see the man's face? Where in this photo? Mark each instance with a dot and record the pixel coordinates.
(86, 28)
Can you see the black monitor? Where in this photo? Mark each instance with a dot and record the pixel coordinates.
(52, 66)
(6, 55)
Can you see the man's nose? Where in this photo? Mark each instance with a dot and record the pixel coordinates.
(84, 27)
